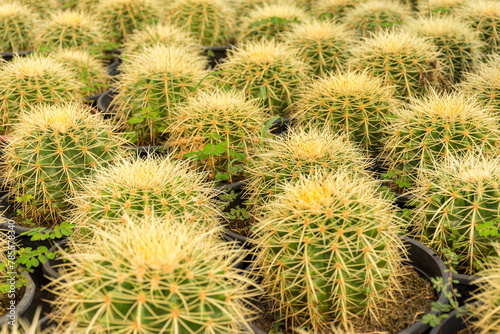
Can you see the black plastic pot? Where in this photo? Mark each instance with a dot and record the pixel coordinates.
(92, 100)
(451, 325)
(113, 67)
(215, 54)
(24, 303)
(466, 286)
(104, 103)
(238, 188)
(50, 266)
(404, 201)
(8, 56)
(281, 125)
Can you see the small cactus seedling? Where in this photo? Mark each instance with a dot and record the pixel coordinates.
(210, 22)
(42, 8)
(484, 83)
(215, 117)
(265, 69)
(454, 202)
(484, 17)
(321, 44)
(375, 16)
(270, 21)
(151, 83)
(440, 7)
(53, 146)
(17, 24)
(334, 9)
(298, 153)
(154, 276)
(28, 81)
(330, 250)
(89, 68)
(69, 29)
(458, 44)
(352, 102)
(402, 59)
(428, 129)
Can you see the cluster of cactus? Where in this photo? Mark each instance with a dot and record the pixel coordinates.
(153, 82)
(298, 153)
(43, 8)
(154, 276)
(33, 80)
(376, 15)
(265, 69)
(214, 117)
(458, 44)
(69, 29)
(440, 7)
(270, 21)
(352, 102)
(485, 83)
(330, 251)
(429, 129)
(453, 202)
(17, 24)
(321, 44)
(402, 59)
(53, 146)
(210, 22)
(334, 9)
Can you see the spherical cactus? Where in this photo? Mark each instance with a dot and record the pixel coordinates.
(334, 9)
(453, 202)
(458, 44)
(17, 24)
(244, 7)
(330, 251)
(270, 21)
(321, 44)
(87, 5)
(375, 16)
(53, 146)
(210, 22)
(122, 17)
(153, 82)
(351, 102)
(483, 16)
(154, 276)
(402, 59)
(298, 153)
(217, 116)
(265, 67)
(428, 129)
(484, 83)
(42, 8)
(28, 81)
(89, 68)
(69, 29)
(440, 7)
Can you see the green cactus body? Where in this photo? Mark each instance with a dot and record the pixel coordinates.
(153, 82)
(154, 276)
(402, 59)
(428, 129)
(330, 250)
(334, 9)
(210, 22)
(352, 102)
(413, 4)
(322, 45)
(270, 21)
(29, 81)
(484, 83)
(457, 199)
(265, 69)
(298, 153)
(42, 8)
(244, 7)
(53, 146)
(440, 7)
(227, 115)
(458, 44)
(375, 16)
(17, 23)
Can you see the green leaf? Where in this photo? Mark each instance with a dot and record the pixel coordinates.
(263, 92)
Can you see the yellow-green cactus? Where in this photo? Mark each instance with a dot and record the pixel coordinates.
(440, 7)
(42, 8)
(17, 24)
(334, 9)
(485, 83)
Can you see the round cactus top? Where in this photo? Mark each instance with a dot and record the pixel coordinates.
(320, 30)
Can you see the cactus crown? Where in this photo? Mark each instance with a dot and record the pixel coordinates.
(335, 9)
(485, 83)
(16, 27)
(440, 7)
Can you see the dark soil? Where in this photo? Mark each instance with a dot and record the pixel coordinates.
(242, 227)
(5, 300)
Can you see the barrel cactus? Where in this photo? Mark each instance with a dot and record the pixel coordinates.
(402, 59)
(440, 7)
(352, 102)
(265, 69)
(210, 22)
(42, 8)
(330, 251)
(428, 129)
(334, 9)
(151, 83)
(17, 24)
(458, 44)
(485, 83)
(321, 44)
(53, 146)
(454, 202)
(154, 276)
(244, 7)
(270, 21)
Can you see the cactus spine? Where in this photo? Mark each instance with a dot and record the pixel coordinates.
(42, 8)
(334, 9)
(440, 7)
(485, 83)
(16, 27)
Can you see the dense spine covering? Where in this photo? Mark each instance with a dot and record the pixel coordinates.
(402, 59)
(210, 22)
(151, 83)
(334, 9)
(52, 147)
(42, 8)
(440, 7)
(244, 7)
(484, 83)
(330, 252)
(17, 24)
(265, 67)
(351, 102)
